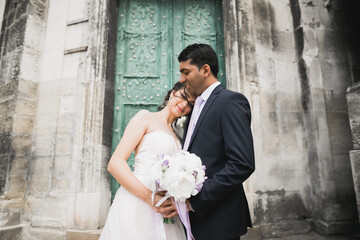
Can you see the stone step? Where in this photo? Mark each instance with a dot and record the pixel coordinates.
(83, 234)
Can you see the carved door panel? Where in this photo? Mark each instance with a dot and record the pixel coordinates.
(151, 34)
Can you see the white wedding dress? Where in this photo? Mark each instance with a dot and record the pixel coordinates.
(129, 217)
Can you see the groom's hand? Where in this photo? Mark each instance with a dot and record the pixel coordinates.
(167, 208)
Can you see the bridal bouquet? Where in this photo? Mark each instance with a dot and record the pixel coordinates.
(182, 175)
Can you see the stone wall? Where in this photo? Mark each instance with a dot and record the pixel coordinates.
(54, 151)
(20, 55)
(326, 68)
(293, 66)
(353, 99)
(68, 184)
(353, 93)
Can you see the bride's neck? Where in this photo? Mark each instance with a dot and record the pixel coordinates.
(166, 116)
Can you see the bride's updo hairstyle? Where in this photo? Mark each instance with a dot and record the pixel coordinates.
(178, 86)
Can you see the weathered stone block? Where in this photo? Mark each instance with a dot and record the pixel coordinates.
(42, 213)
(40, 175)
(9, 218)
(331, 228)
(16, 35)
(23, 125)
(66, 124)
(49, 89)
(7, 92)
(5, 143)
(5, 69)
(45, 126)
(48, 105)
(4, 165)
(280, 206)
(78, 10)
(281, 19)
(332, 44)
(313, 69)
(68, 105)
(64, 144)
(7, 108)
(10, 18)
(37, 8)
(76, 36)
(296, 180)
(343, 179)
(6, 124)
(266, 74)
(355, 167)
(45, 145)
(353, 99)
(21, 9)
(34, 35)
(335, 76)
(336, 211)
(65, 171)
(17, 185)
(83, 235)
(339, 131)
(25, 107)
(52, 61)
(262, 17)
(281, 229)
(19, 162)
(43, 234)
(21, 144)
(11, 233)
(29, 70)
(72, 64)
(335, 101)
(91, 210)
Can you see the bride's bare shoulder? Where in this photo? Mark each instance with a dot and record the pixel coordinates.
(142, 114)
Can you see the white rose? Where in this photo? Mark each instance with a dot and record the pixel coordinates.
(180, 123)
(181, 186)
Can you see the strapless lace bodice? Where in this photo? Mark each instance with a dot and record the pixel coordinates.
(154, 143)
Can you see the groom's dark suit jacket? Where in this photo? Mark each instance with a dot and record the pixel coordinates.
(222, 139)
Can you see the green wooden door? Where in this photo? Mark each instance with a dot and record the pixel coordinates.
(151, 34)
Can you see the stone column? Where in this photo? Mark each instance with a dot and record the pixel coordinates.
(20, 57)
(69, 194)
(353, 100)
(93, 187)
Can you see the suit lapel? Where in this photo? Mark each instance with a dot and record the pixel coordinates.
(186, 128)
(208, 103)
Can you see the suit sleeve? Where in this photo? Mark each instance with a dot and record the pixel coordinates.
(239, 154)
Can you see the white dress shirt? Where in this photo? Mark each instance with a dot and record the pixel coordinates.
(197, 111)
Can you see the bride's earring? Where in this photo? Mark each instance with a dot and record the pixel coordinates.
(170, 98)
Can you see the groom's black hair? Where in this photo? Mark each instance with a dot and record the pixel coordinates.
(200, 54)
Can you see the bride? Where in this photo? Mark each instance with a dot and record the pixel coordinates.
(132, 214)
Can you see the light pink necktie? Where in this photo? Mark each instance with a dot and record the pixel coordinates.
(194, 117)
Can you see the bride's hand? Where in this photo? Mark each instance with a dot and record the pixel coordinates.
(167, 208)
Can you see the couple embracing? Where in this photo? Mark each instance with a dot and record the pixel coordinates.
(217, 130)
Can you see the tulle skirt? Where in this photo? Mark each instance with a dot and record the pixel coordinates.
(130, 218)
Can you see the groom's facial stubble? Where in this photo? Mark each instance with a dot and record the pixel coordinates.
(193, 77)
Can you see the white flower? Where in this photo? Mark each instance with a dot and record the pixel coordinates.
(181, 175)
(180, 186)
(180, 123)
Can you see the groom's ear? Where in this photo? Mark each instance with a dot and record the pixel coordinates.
(206, 70)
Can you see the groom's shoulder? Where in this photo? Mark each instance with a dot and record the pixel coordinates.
(227, 94)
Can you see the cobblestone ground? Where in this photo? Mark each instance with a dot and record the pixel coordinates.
(253, 234)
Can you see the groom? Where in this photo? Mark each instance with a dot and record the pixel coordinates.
(219, 133)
